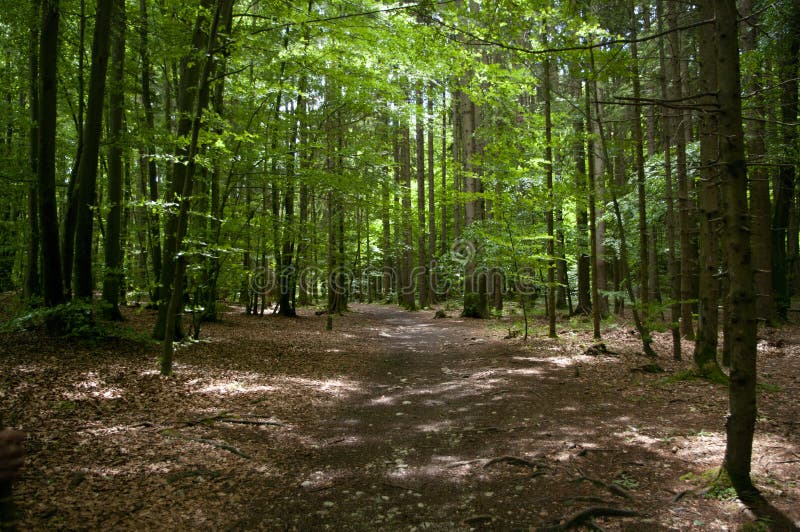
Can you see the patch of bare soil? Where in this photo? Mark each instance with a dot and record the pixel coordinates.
(392, 421)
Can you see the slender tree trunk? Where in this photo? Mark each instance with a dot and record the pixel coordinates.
(191, 101)
(150, 168)
(458, 161)
(287, 271)
(422, 241)
(407, 287)
(429, 279)
(593, 258)
(705, 350)
(673, 266)
(86, 188)
(641, 326)
(444, 197)
(676, 75)
(112, 283)
(785, 188)
(33, 286)
(582, 223)
(548, 157)
(644, 257)
(200, 102)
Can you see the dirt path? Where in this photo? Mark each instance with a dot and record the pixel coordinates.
(393, 421)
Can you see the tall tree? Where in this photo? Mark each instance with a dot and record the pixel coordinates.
(741, 420)
(677, 76)
(46, 154)
(196, 103)
(638, 141)
(112, 283)
(548, 157)
(758, 173)
(710, 207)
(673, 263)
(147, 153)
(784, 193)
(191, 103)
(422, 241)
(33, 286)
(86, 183)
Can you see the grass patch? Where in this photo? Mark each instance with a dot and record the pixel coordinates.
(681, 376)
(768, 387)
(715, 483)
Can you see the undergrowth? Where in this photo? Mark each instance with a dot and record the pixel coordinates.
(73, 320)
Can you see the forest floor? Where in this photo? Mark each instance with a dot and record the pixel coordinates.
(392, 421)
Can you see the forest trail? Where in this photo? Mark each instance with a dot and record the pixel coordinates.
(392, 421)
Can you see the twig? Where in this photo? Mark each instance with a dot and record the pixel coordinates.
(251, 422)
(512, 460)
(464, 462)
(610, 486)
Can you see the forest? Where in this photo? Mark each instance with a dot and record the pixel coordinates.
(236, 236)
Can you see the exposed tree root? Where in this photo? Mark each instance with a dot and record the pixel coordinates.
(584, 518)
(512, 460)
(610, 486)
(219, 445)
(228, 418)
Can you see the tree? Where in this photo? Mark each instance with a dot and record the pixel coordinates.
(46, 154)
(741, 420)
(197, 104)
(192, 101)
(86, 177)
(113, 281)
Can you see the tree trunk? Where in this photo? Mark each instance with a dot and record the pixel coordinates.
(758, 177)
(197, 104)
(287, 271)
(785, 190)
(742, 392)
(593, 258)
(644, 256)
(86, 184)
(430, 266)
(676, 75)
(548, 157)
(422, 241)
(46, 154)
(705, 349)
(150, 168)
(641, 326)
(673, 266)
(33, 286)
(112, 283)
(443, 202)
(191, 101)
(407, 288)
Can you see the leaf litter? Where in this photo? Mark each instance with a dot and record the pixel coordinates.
(392, 421)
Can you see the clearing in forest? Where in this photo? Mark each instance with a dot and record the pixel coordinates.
(392, 421)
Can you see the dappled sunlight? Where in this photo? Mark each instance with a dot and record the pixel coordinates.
(435, 426)
(92, 386)
(233, 387)
(334, 387)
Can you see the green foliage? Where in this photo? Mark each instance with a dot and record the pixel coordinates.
(75, 319)
(681, 376)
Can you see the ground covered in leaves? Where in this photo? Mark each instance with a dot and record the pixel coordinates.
(392, 421)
